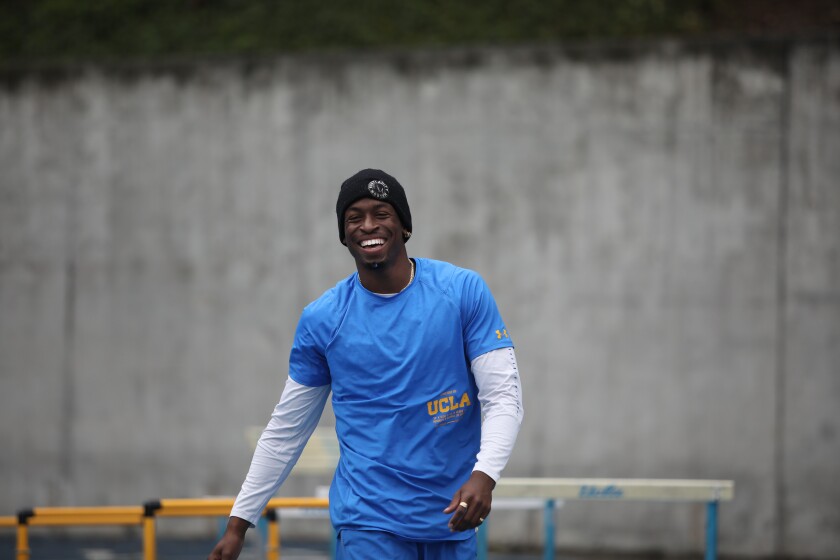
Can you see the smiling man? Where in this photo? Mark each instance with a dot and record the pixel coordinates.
(425, 391)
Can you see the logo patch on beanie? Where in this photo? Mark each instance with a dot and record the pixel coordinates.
(378, 189)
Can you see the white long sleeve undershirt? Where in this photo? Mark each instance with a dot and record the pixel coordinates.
(500, 394)
(294, 419)
(297, 414)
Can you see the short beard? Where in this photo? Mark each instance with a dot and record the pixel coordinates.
(374, 265)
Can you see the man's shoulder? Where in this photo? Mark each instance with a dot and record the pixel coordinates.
(445, 275)
(330, 301)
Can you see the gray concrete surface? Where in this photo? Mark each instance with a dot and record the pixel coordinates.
(660, 225)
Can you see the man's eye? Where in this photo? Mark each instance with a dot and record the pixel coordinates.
(352, 219)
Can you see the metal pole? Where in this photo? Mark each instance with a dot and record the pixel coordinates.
(149, 544)
(23, 517)
(481, 541)
(711, 530)
(548, 518)
(272, 549)
(22, 541)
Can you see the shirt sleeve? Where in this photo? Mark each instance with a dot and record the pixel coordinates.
(307, 362)
(484, 329)
(500, 394)
(294, 419)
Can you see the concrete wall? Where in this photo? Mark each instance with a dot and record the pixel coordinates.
(660, 225)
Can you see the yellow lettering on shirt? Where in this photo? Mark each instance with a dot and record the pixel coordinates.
(448, 403)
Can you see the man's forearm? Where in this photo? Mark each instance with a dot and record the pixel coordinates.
(281, 443)
(237, 526)
(499, 391)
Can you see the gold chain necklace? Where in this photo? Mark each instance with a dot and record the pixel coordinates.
(410, 278)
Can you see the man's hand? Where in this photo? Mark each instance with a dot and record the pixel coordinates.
(230, 545)
(476, 493)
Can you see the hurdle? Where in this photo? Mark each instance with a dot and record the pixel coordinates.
(145, 516)
(554, 490)
(215, 507)
(511, 493)
(71, 516)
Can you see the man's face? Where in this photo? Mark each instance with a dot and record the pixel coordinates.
(373, 233)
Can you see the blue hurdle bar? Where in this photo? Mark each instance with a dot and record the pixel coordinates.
(711, 530)
(548, 545)
(548, 519)
(481, 541)
(549, 532)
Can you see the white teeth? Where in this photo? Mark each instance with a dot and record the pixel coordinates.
(369, 242)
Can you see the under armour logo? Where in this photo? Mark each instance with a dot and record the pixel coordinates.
(500, 334)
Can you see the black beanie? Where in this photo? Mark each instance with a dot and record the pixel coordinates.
(376, 184)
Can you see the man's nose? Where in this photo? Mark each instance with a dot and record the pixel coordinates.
(368, 222)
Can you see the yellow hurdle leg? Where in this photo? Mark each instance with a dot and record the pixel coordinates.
(149, 540)
(22, 542)
(272, 548)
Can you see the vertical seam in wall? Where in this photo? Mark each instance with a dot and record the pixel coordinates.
(68, 369)
(781, 305)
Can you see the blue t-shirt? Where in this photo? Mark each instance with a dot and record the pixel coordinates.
(405, 402)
